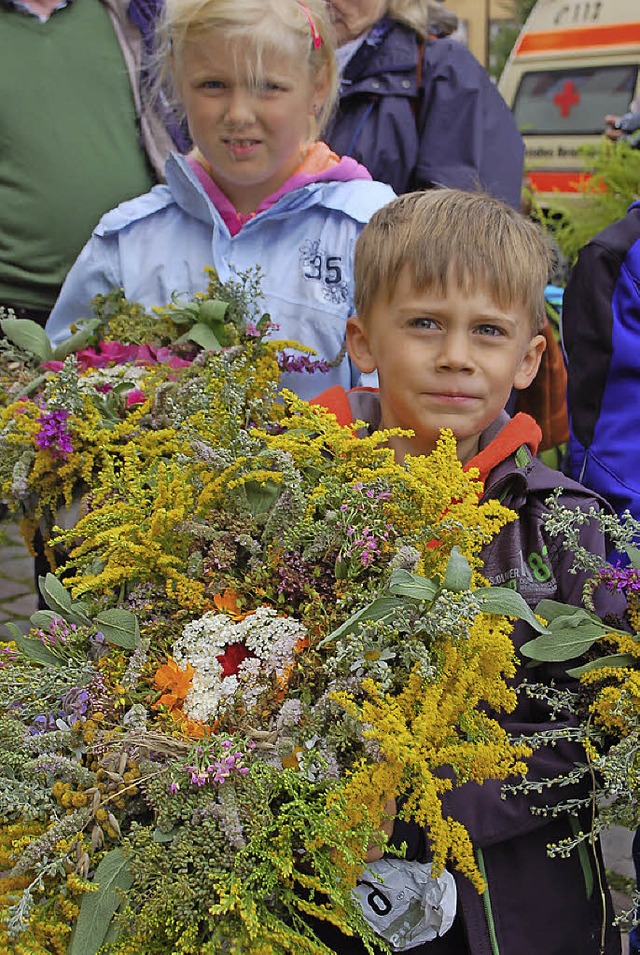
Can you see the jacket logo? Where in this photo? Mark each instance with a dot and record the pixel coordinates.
(318, 266)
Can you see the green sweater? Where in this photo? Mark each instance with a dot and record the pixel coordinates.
(69, 143)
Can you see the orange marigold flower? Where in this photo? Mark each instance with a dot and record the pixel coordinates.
(227, 602)
(174, 682)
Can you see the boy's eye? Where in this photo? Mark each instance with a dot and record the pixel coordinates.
(423, 322)
(491, 330)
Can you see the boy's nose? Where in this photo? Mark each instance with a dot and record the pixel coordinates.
(454, 353)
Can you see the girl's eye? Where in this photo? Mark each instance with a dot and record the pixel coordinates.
(267, 86)
(212, 85)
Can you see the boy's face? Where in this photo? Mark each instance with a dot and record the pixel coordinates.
(443, 362)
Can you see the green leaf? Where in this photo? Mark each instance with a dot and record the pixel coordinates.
(566, 643)
(160, 835)
(35, 650)
(634, 556)
(457, 576)
(78, 340)
(42, 619)
(504, 600)
(405, 584)
(119, 627)
(613, 660)
(551, 609)
(98, 908)
(381, 608)
(59, 599)
(202, 335)
(261, 496)
(27, 334)
(212, 312)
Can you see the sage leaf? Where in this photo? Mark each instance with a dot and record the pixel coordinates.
(75, 342)
(202, 335)
(613, 660)
(507, 602)
(457, 576)
(379, 609)
(261, 497)
(27, 334)
(405, 584)
(35, 650)
(59, 599)
(120, 627)
(559, 644)
(98, 908)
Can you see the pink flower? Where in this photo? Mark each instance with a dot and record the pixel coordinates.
(135, 397)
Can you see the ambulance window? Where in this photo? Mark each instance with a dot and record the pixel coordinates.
(572, 101)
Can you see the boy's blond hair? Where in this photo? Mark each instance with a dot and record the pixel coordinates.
(270, 25)
(447, 235)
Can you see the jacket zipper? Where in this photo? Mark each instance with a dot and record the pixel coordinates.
(486, 901)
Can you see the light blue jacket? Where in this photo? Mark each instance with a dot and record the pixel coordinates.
(159, 244)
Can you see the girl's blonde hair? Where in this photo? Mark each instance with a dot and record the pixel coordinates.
(447, 235)
(301, 32)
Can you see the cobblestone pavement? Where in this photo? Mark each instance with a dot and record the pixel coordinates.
(18, 602)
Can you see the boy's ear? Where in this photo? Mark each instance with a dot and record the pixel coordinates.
(358, 345)
(528, 368)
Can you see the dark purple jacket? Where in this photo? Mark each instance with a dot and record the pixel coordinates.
(534, 905)
(454, 129)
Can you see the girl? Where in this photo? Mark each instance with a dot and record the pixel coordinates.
(257, 80)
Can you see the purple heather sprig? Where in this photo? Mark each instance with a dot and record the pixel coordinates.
(53, 435)
(302, 363)
(207, 768)
(617, 578)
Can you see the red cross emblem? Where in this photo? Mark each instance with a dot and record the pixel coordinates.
(567, 98)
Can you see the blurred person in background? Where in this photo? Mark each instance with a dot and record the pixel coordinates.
(79, 133)
(416, 108)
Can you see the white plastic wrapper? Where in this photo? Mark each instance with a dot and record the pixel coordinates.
(404, 904)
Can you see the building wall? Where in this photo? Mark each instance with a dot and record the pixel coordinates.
(476, 18)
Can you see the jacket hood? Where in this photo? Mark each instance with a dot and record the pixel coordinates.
(320, 164)
(357, 199)
(190, 194)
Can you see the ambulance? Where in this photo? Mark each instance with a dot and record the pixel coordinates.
(574, 62)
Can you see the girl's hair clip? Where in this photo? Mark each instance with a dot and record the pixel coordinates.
(315, 36)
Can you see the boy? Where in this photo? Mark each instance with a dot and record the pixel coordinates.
(449, 291)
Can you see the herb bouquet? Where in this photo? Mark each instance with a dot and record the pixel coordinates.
(606, 660)
(263, 628)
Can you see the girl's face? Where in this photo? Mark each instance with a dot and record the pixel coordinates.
(350, 18)
(252, 134)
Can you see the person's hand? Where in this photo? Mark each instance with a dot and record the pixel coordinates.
(610, 130)
(375, 852)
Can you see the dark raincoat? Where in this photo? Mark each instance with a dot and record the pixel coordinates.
(440, 121)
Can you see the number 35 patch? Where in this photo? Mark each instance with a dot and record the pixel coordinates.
(318, 266)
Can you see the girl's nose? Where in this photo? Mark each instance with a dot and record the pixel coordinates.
(239, 110)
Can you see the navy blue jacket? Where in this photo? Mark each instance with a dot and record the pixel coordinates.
(443, 124)
(601, 339)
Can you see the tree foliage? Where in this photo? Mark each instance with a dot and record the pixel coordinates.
(605, 198)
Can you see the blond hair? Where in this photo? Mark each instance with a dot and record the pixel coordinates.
(282, 26)
(416, 14)
(447, 235)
